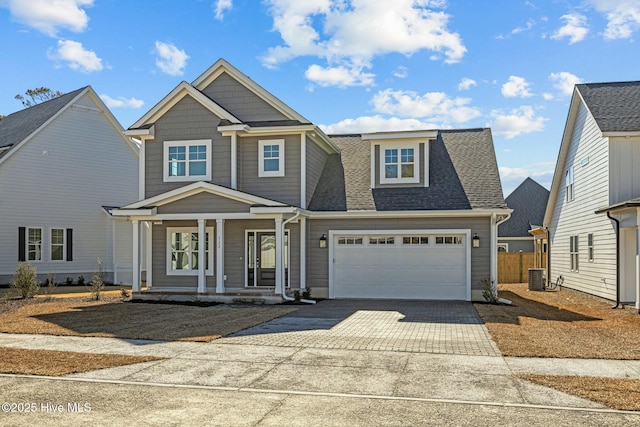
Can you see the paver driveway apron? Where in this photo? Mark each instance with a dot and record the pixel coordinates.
(448, 327)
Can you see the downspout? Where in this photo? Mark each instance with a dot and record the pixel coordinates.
(617, 259)
(284, 294)
(494, 252)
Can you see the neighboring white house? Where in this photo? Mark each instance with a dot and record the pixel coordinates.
(63, 163)
(598, 174)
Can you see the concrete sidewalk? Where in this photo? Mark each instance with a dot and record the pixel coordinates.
(392, 374)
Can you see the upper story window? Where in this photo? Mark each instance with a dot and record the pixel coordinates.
(271, 157)
(187, 160)
(399, 163)
(569, 184)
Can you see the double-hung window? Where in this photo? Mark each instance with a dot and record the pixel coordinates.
(187, 160)
(34, 244)
(590, 247)
(569, 194)
(182, 251)
(399, 163)
(573, 252)
(57, 244)
(271, 157)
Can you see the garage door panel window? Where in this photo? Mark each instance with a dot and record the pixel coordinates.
(415, 240)
(448, 240)
(350, 241)
(384, 240)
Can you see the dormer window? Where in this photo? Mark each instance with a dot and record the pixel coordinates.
(271, 157)
(399, 163)
(187, 160)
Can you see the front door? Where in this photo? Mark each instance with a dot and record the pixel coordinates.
(261, 258)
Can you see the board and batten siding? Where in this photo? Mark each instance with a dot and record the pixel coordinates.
(577, 217)
(318, 258)
(285, 188)
(61, 178)
(187, 120)
(240, 101)
(316, 159)
(624, 173)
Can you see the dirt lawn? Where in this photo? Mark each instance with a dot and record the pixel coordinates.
(560, 324)
(114, 318)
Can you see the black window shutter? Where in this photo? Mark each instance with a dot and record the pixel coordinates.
(22, 244)
(69, 244)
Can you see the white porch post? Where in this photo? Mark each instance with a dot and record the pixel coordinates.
(279, 258)
(136, 255)
(149, 254)
(219, 256)
(494, 254)
(113, 251)
(637, 267)
(303, 252)
(202, 257)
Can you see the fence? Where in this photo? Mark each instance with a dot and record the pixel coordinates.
(513, 267)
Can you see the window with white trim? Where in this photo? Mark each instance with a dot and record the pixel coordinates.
(569, 193)
(57, 244)
(573, 252)
(590, 247)
(187, 160)
(34, 244)
(182, 251)
(399, 163)
(415, 240)
(503, 247)
(271, 157)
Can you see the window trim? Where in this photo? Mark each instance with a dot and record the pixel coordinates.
(64, 244)
(27, 244)
(590, 247)
(574, 253)
(266, 142)
(186, 144)
(399, 146)
(568, 184)
(169, 270)
(503, 245)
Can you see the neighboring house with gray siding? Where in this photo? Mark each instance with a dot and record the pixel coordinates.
(528, 201)
(243, 197)
(62, 164)
(597, 176)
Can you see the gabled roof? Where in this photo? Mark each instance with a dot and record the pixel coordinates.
(614, 106)
(528, 201)
(462, 168)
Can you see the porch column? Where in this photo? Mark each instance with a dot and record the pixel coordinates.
(279, 258)
(637, 267)
(136, 255)
(149, 254)
(303, 252)
(494, 254)
(202, 257)
(219, 256)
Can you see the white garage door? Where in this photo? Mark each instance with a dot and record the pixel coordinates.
(401, 266)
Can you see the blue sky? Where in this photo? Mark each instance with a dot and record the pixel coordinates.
(346, 65)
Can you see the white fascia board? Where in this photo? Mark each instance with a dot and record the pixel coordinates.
(620, 134)
(408, 214)
(134, 212)
(313, 132)
(142, 133)
(259, 210)
(426, 134)
(221, 66)
(179, 92)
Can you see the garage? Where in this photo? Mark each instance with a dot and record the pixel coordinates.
(417, 264)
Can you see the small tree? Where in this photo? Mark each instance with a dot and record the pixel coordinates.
(25, 280)
(37, 95)
(489, 293)
(97, 282)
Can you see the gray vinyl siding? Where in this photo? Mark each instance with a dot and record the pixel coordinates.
(240, 101)
(187, 120)
(87, 165)
(204, 203)
(285, 188)
(318, 259)
(234, 257)
(316, 159)
(577, 217)
(378, 164)
(624, 174)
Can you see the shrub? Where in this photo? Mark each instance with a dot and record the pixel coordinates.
(25, 280)
(488, 291)
(81, 280)
(296, 296)
(69, 281)
(306, 293)
(124, 294)
(50, 283)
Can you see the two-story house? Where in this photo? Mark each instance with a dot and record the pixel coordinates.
(241, 195)
(592, 215)
(63, 164)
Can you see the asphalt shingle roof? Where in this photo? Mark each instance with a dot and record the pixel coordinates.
(528, 201)
(463, 174)
(615, 106)
(17, 126)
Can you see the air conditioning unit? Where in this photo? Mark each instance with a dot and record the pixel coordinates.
(536, 279)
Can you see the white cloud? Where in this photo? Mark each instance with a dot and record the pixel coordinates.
(466, 84)
(376, 124)
(575, 28)
(339, 76)
(220, 7)
(623, 17)
(401, 72)
(121, 102)
(77, 57)
(516, 87)
(516, 122)
(547, 96)
(353, 32)
(527, 27)
(564, 81)
(48, 16)
(170, 59)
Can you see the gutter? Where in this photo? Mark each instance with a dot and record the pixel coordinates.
(284, 294)
(617, 259)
